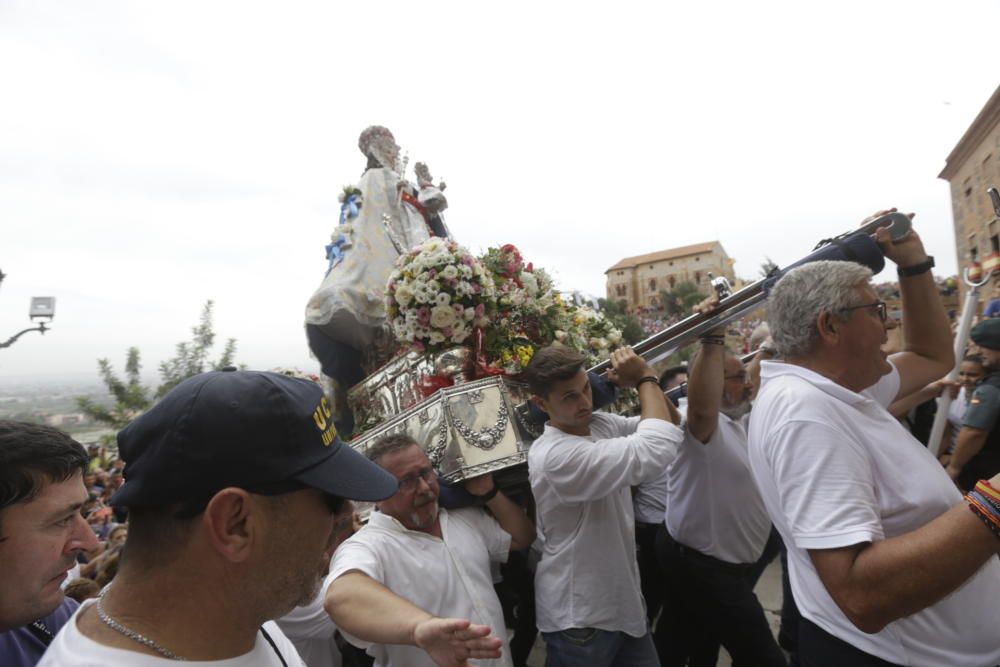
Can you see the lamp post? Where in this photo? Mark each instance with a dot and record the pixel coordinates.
(42, 308)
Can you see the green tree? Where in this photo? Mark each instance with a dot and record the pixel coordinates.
(131, 398)
(681, 299)
(191, 357)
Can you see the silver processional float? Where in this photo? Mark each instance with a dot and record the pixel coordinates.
(486, 425)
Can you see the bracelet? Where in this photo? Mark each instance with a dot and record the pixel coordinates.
(989, 497)
(490, 495)
(916, 269)
(988, 492)
(713, 340)
(988, 515)
(647, 378)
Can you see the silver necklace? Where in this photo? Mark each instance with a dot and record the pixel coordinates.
(131, 634)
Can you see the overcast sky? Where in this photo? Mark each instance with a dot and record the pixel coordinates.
(155, 155)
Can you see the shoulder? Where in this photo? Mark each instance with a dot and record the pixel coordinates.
(277, 641)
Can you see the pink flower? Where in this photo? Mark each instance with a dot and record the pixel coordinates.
(480, 310)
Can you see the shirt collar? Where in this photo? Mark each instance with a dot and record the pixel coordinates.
(771, 370)
(381, 520)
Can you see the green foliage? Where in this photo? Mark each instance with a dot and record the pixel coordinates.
(191, 357)
(132, 398)
(681, 299)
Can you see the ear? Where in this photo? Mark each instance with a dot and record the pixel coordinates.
(539, 403)
(828, 326)
(232, 520)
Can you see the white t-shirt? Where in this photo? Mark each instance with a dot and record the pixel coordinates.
(956, 411)
(836, 469)
(649, 500)
(588, 577)
(713, 504)
(72, 649)
(449, 578)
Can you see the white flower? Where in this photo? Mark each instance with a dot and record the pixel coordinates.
(614, 337)
(442, 316)
(470, 313)
(421, 296)
(466, 271)
(404, 295)
(560, 335)
(449, 272)
(436, 337)
(442, 299)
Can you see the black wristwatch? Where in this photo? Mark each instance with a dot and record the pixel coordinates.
(916, 269)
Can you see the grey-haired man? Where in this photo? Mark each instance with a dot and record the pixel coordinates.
(887, 564)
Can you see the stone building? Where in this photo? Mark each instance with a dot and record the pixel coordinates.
(971, 168)
(639, 280)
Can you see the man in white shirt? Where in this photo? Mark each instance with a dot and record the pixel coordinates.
(231, 481)
(415, 565)
(588, 601)
(715, 526)
(887, 564)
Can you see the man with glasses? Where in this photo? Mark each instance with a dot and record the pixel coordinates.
(415, 561)
(889, 566)
(715, 526)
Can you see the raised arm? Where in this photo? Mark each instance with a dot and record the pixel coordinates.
(927, 346)
(364, 608)
(508, 514)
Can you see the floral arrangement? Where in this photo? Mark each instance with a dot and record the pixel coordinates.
(530, 313)
(440, 294)
(436, 296)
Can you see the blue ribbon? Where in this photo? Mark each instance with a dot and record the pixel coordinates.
(349, 209)
(335, 252)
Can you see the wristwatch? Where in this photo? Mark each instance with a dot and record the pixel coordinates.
(916, 269)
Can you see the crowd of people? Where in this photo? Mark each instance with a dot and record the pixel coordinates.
(226, 534)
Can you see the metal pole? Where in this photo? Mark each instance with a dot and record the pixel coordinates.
(961, 336)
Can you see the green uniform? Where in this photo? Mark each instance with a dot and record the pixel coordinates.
(982, 413)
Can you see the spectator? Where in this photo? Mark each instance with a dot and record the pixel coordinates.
(889, 567)
(41, 533)
(417, 574)
(587, 593)
(232, 480)
(977, 447)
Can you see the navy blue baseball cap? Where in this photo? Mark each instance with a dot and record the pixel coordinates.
(245, 429)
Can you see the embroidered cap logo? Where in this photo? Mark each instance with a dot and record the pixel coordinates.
(321, 415)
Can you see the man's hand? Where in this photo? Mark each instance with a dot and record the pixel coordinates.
(708, 306)
(908, 251)
(627, 367)
(451, 642)
(479, 486)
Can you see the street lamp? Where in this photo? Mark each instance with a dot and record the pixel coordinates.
(42, 308)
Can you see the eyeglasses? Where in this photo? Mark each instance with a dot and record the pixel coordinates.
(410, 483)
(883, 313)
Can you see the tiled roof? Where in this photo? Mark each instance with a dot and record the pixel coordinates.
(672, 253)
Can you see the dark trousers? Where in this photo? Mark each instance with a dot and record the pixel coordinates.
(650, 575)
(818, 648)
(707, 600)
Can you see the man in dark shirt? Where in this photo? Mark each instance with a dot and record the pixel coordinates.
(41, 532)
